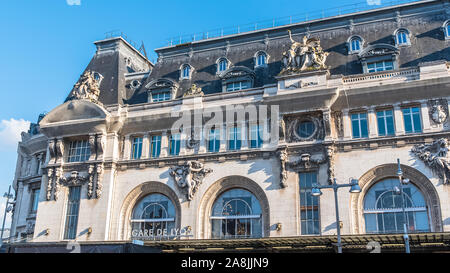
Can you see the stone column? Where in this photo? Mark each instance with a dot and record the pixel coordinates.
(223, 138)
(372, 120)
(347, 124)
(164, 144)
(127, 148)
(398, 119)
(145, 146)
(426, 126)
(244, 135)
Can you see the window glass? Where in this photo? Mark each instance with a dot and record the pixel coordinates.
(261, 59)
(234, 138)
(155, 146)
(137, 148)
(160, 96)
(214, 140)
(359, 125)
(383, 210)
(35, 200)
(174, 144)
(385, 120)
(73, 206)
(256, 136)
(412, 120)
(186, 71)
(355, 44)
(447, 29)
(380, 66)
(236, 214)
(402, 37)
(309, 205)
(240, 85)
(79, 150)
(223, 64)
(306, 129)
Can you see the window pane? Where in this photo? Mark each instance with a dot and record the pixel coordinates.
(72, 212)
(309, 205)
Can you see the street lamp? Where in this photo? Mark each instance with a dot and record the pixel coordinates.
(401, 182)
(8, 195)
(354, 188)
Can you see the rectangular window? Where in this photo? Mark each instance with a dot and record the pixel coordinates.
(214, 140)
(413, 122)
(235, 86)
(73, 206)
(155, 146)
(234, 138)
(380, 66)
(137, 148)
(256, 136)
(174, 144)
(359, 125)
(309, 205)
(385, 119)
(160, 96)
(79, 150)
(34, 200)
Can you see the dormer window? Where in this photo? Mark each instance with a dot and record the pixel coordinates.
(402, 37)
(261, 59)
(237, 78)
(378, 57)
(355, 44)
(446, 29)
(185, 72)
(222, 65)
(380, 66)
(161, 90)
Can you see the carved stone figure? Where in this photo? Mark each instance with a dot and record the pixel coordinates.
(189, 176)
(436, 156)
(283, 175)
(438, 111)
(307, 55)
(193, 91)
(87, 87)
(282, 132)
(191, 142)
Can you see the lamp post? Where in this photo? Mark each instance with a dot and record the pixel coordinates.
(8, 208)
(354, 188)
(401, 182)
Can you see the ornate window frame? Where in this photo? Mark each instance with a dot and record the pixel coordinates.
(161, 85)
(408, 37)
(236, 74)
(377, 53)
(220, 187)
(378, 173)
(191, 70)
(256, 56)
(349, 44)
(218, 61)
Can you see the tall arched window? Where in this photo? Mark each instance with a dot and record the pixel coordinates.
(151, 215)
(383, 208)
(261, 59)
(402, 37)
(446, 28)
(186, 72)
(236, 214)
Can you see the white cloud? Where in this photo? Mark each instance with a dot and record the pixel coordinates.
(73, 2)
(10, 131)
(373, 2)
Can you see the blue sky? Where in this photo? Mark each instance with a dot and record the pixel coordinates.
(46, 44)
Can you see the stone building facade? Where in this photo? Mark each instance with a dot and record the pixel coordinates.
(346, 97)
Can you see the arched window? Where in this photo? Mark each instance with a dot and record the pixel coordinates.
(261, 59)
(402, 37)
(186, 71)
(222, 65)
(383, 208)
(152, 215)
(236, 214)
(446, 29)
(355, 44)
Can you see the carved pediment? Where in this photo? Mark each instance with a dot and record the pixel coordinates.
(237, 72)
(378, 50)
(161, 84)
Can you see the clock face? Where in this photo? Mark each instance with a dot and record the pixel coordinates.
(306, 129)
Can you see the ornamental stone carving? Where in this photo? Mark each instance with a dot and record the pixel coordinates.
(304, 56)
(283, 172)
(293, 123)
(436, 156)
(193, 91)
(189, 176)
(438, 110)
(74, 178)
(87, 87)
(192, 142)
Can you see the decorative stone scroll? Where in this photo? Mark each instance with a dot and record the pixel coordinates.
(87, 87)
(436, 156)
(283, 173)
(189, 176)
(304, 56)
